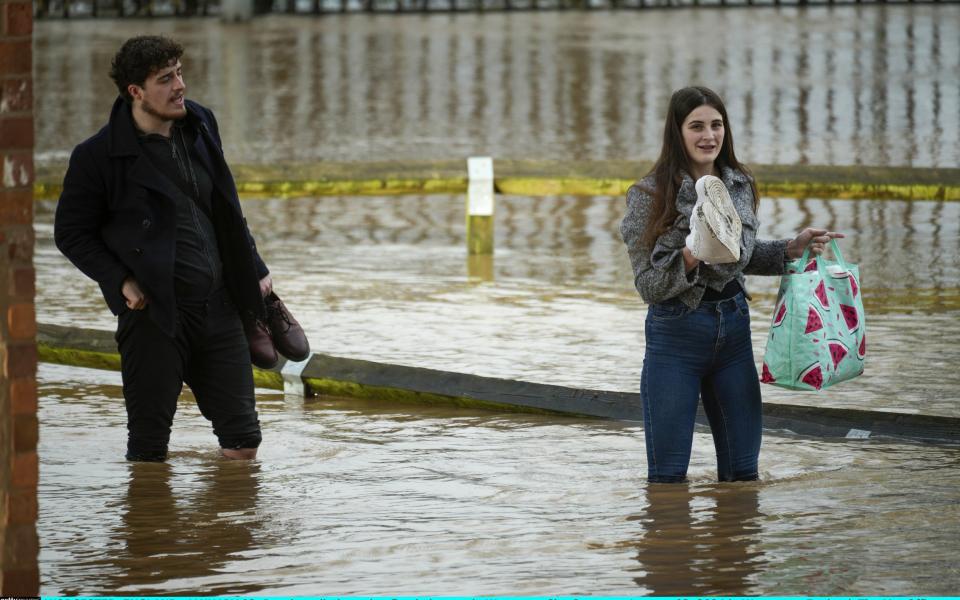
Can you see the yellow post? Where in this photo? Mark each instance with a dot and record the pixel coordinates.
(480, 267)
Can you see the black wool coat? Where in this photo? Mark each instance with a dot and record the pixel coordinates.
(117, 218)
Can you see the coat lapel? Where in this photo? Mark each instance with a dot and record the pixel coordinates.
(145, 174)
(202, 147)
(123, 144)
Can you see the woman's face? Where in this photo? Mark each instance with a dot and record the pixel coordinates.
(703, 136)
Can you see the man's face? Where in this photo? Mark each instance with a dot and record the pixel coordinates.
(162, 93)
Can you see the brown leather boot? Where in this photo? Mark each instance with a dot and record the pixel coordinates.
(262, 352)
(288, 336)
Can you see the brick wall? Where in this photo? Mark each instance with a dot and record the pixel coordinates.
(19, 575)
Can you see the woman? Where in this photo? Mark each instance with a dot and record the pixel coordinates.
(698, 323)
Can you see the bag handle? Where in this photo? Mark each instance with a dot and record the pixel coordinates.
(834, 248)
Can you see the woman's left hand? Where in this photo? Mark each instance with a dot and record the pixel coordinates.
(817, 239)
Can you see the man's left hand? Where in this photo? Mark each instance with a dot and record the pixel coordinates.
(266, 286)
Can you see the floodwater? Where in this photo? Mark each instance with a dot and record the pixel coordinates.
(387, 279)
(350, 497)
(846, 85)
(356, 498)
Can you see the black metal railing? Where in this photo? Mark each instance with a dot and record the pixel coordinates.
(187, 8)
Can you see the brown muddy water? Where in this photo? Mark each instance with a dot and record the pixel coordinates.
(350, 497)
(365, 498)
(355, 498)
(387, 279)
(848, 85)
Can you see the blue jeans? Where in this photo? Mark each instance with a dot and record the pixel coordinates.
(692, 354)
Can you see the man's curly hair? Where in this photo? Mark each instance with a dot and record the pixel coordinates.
(139, 58)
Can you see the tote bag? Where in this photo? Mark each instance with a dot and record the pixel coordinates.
(818, 334)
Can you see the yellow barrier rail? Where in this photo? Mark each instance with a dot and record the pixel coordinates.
(556, 178)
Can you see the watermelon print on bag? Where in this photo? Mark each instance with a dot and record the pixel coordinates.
(779, 313)
(813, 376)
(850, 316)
(820, 293)
(766, 377)
(814, 321)
(818, 333)
(837, 352)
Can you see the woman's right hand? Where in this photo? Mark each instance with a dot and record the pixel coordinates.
(690, 261)
(817, 239)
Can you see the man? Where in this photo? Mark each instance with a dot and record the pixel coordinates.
(149, 210)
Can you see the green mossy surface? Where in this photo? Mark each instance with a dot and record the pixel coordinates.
(111, 362)
(347, 389)
(267, 379)
(78, 358)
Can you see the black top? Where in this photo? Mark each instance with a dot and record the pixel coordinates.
(729, 291)
(198, 270)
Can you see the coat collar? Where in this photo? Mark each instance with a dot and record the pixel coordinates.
(123, 132)
(728, 175)
(732, 178)
(123, 141)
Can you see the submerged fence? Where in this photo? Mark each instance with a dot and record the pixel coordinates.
(231, 8)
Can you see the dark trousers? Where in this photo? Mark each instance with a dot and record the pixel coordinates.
(209, 352)
(692, 355)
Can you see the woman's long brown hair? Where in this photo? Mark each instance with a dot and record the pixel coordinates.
(667, 171)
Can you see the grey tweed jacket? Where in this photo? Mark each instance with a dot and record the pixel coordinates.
(659, 275)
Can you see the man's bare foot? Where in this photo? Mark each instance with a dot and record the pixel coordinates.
(239, 453)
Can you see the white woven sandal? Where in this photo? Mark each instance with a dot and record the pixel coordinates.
(715, 226)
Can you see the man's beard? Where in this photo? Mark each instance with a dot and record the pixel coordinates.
(169, 116)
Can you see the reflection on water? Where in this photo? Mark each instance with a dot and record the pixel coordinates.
(874, 85)
(388, 279)
(355, 498)
(700, 542)
(359, 498)
(185, 528)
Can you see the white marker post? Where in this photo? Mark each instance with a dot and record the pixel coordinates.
(292, 374)
(480, 205)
